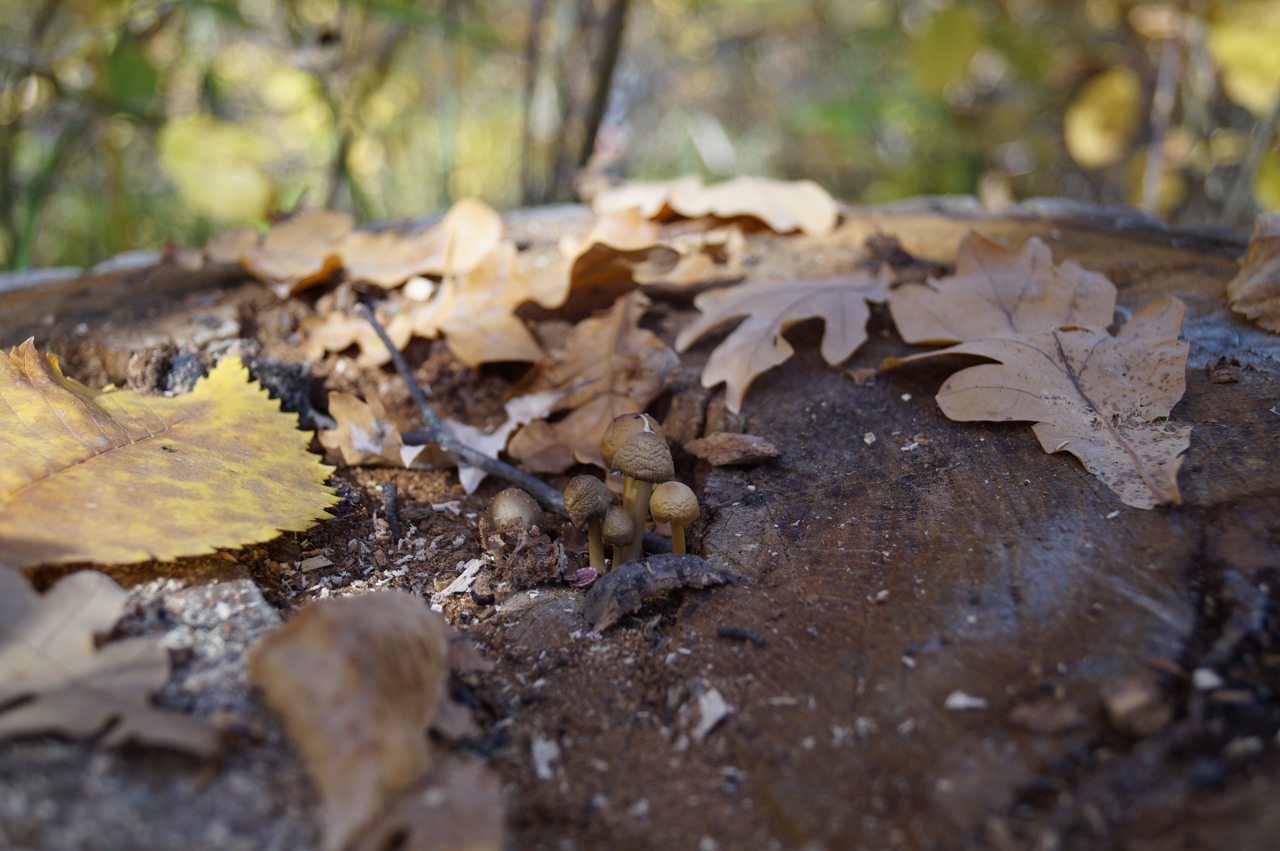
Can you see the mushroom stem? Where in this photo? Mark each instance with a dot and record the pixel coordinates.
(596, 544)
(641, 492)
(677, 538)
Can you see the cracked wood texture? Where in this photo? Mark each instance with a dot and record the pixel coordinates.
(885, 577)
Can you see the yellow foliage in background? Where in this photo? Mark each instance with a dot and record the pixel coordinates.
(1101, 119)
(218, 168)
(1245, 43)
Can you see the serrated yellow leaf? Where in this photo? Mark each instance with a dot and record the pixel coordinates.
(121, 477)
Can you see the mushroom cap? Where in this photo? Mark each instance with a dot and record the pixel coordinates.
(618, 529)
(673, 502)
(645, 456)
(620, 428)
(586, 497)
(515, 504)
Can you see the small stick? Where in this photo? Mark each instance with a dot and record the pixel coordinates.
(392, 510)
(737, 633)
(435, 433)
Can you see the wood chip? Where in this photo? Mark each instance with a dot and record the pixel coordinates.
(723, 448)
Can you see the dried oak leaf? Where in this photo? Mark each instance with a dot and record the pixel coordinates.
(476, 313)
(770, 308)
(358, 681)
(119, 477)
(784, 206)
(995, 292)
(1255, 291)
(1099, 397)
(54, 678)
(608, 366)
(300, 252)
(365, 434)
(462, 239)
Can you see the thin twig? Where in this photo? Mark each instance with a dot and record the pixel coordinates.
(436, 433)
(1162, 101)
(392, 510)
(1243, 185)
(549, 497)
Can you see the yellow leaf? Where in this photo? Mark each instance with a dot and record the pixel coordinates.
(1102, 118)
(1255, 291)
(54, 678)
(784, 206)
(1099, 397)
(995, 292)
(217, 168)
(122, 477)
(1243, 39)
(771, 308)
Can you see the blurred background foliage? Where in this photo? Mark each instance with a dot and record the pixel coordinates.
(126, 123)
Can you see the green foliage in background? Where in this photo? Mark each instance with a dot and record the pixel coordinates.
(126, 123)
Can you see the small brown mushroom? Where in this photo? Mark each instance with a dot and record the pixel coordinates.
(618, 532)
(620, 428)
(515, 504)
(587, 499)
(644, 459)
(674, 503)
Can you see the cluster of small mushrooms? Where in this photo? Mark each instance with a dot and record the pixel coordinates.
(633, 447)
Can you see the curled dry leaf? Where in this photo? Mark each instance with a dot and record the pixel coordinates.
(996, 293)
(1255, 291)
(119, 477)
(365, 434)
(476, 313)
(463, 238)
(609, 366)
(357, 681)
(300, 252)
(54, 678)
(1099, 397)
(722, 448)
(784, 206)
(770, 308)
(337, 331)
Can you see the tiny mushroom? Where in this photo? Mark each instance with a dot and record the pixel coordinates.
(587, 499)
(620, 428)
(515, 504)
(674, 503)
(619, 532)
(644, 459)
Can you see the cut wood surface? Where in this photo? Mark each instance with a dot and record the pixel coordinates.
(953, 626)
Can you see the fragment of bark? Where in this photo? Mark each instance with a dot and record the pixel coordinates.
(629, 587)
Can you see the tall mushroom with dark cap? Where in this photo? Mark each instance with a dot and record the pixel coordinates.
(644, 460)
(674, 503)
(618, 532)
(620, 428)
(587, 499)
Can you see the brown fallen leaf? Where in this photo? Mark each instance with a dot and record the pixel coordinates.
(770, 309)
(457, 807)
(626, 589)
(608, 366)
(300, 252)
(521, 411)
(365, 434)
(784, 206)
(55, 678)
(463, 238)
(1255, 291)
(996, 293)
(1104, 399)
(337, 331)
(118, 477)
(476, 313)
(357, 681)
(722, 448)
